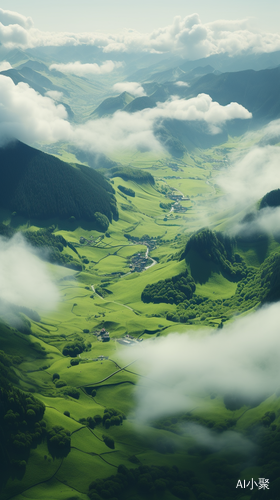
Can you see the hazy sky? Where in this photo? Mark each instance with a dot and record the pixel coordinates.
(113, 16)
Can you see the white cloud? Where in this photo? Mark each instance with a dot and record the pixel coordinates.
(133, 88)
(24, 277)
(187, 36)
(125, 130)
(121, 131)
(14, 35)
(242, 359)
(271, 133)
(30, 117)
(200, 108)
(5, 65)
(10, 17)
(79, 69)
(249, 178)
(266, 221)
(54, 94)
(217, 441)
(182, 84)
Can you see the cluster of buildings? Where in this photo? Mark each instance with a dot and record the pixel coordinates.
(151, 244)
(178, 197)
(100, 358)
(178, 208)
(103, 335)
(84, 240)
(91, 241)
(138, 262)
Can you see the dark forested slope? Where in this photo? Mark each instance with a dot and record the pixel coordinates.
(37, 185)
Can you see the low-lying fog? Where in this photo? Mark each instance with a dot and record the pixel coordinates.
(242, 359)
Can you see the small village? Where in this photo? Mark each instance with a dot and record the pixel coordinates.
(100, 358)
(104, 336)
(178, 208)
(139, 261)
(178, 197)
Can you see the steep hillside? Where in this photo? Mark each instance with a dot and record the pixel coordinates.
(17, 77)
(37, 185)
(216, 248)
(36, 81)
(112, 104)
(271, 199)
(140, 103)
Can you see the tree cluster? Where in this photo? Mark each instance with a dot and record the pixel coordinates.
(132, 174)
(59, 441)
(112, 417)
(165, 206)
(74, 348)
(21, 323)
(21, 425)
(258, 286)
(171, 291)
(109, 441)
(91, 422)
(145, 481)
(7, 374)
(102, 221)
(127, 191)
(26, 311)
(6, 231)
(44, 239)
(69, 390)
(74, 361)
(51, 247)
(267, 438)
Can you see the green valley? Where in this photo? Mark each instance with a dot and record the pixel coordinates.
(139, 270)
(123, 285)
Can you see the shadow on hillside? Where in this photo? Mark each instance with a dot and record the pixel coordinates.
(200, 269)
(258, 243)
